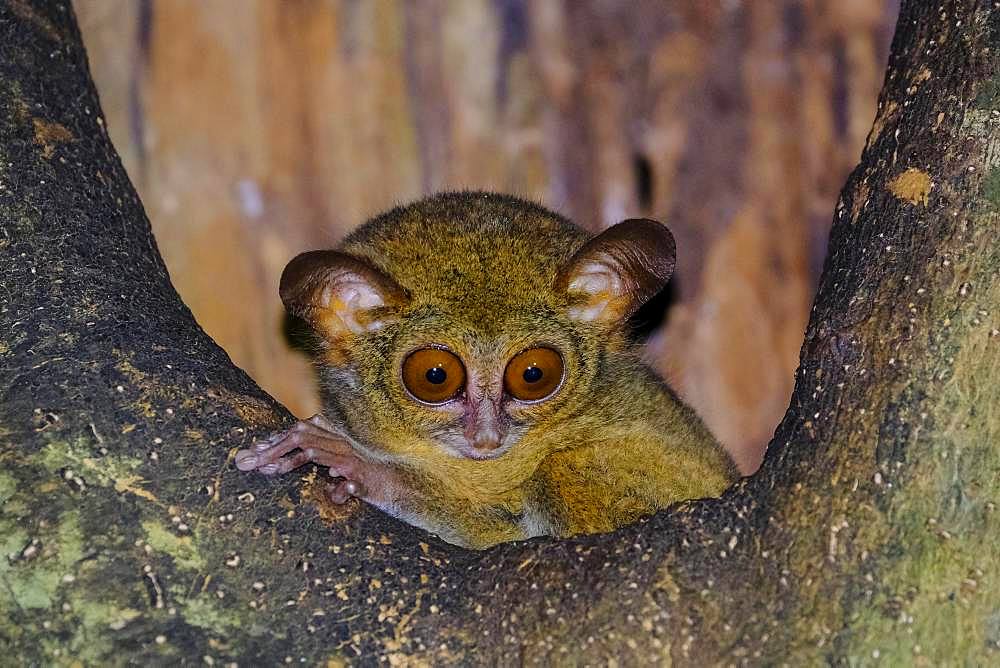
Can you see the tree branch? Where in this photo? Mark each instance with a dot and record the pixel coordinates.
(870, 531)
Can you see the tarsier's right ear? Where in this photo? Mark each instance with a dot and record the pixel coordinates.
(338, 294)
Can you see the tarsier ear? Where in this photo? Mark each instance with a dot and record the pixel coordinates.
(617, 271)
(338, 294)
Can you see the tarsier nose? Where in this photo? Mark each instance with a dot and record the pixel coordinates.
(483, 428)
(486, 439)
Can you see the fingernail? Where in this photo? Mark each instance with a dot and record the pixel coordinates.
(245, 460)
(354, 488)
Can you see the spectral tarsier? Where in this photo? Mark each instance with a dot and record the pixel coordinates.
(478, 379)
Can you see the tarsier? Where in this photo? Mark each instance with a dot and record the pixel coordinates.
(478, 379)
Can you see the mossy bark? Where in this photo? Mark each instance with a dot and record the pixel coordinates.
(870, 533)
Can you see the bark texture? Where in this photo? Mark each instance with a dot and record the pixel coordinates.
(870, 533)
(266, 128)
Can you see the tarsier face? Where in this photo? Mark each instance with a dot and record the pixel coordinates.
(467, 388)
(458, 323)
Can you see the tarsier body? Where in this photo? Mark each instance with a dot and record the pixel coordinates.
(477, 378)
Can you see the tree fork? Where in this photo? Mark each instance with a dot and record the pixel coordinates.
(870, 532)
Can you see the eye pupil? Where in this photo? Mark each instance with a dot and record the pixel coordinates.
(532, 374)
(436, 375)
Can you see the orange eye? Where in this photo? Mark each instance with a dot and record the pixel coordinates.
(433, 375)
(533, 374)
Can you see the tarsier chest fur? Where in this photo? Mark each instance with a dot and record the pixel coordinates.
(477, 376)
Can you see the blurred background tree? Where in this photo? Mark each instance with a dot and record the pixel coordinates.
(254, 129)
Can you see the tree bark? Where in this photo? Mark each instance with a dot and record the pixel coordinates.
(870, 533)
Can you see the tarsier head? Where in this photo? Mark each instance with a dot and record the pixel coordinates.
(462, 323)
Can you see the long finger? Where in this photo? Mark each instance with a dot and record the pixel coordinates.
(258, 456)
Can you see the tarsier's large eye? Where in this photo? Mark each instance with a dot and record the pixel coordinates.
(533, 374)
(433, 375)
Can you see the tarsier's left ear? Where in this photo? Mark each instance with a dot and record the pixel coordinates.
(617, 271)
(339, 294)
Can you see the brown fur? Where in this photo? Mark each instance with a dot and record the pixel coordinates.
(484, 275)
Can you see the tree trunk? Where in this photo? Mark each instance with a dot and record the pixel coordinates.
(870, 533)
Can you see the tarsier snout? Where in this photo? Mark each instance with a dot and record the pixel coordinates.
(484, 428)
(485, 440)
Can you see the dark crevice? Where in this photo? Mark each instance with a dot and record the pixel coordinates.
(840, 92)
(653, 313)
(140, 66)
(513, 38)
(643, 171)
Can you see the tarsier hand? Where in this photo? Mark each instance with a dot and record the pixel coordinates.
(379, 484)
(316, 440)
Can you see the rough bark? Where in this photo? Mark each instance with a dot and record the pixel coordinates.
(869, 533)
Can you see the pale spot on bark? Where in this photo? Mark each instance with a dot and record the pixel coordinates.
(913, 186)
(884, 116)
(49, 134)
